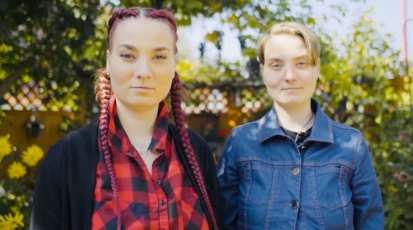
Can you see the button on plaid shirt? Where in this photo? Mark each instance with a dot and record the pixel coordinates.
(164, 200)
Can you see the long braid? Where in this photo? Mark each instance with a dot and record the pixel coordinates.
(179, 117)
(105, 94)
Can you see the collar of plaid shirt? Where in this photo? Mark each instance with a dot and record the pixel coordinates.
(120, 141)
(165, 199)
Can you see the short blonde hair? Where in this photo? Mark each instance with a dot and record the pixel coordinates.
(296, 29)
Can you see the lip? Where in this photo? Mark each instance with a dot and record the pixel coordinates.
(291, 88)
(142, 88)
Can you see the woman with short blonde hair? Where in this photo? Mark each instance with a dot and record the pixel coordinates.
(295, 168)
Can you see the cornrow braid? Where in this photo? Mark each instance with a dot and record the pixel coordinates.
(179, 117)
(105, 94)
(116, 18)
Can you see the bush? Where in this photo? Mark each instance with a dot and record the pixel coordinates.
(18, 171)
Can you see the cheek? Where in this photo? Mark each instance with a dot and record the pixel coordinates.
(271, 78)
(310, 78)
(165, 77)
(120, 71)
(119, 79)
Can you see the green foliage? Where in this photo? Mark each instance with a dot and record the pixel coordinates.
(366, 79)
(41, 39)
(65, 42)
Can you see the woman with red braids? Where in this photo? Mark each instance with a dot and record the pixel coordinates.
(132, 169)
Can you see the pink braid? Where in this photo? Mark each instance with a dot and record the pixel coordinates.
(105, 94)
(180, 125)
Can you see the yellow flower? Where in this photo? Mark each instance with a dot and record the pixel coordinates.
(14, 209)
(5, 146)
(10, 222)
(16, 170)
(32, 155)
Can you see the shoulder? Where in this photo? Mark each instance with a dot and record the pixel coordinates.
(198, 143)
(196, 138)
(343, 130)
(351, 138)
(87, 131)
(249, 127)
(200, 146)
(80, 138)
(55, 154)
(245, 133)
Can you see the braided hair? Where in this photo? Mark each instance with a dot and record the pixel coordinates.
(104, 92)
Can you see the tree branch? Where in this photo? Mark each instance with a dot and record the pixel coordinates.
(12, 78)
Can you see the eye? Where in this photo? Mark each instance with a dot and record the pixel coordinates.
(302, 63)
(159, 57)
(126, 55)
(276, 65)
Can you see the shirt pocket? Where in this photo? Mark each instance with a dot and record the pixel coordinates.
(331, 183)
(262, 183)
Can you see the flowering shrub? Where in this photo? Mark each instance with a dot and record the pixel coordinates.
(18, 170)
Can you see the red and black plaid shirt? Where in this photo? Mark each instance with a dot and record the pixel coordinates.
(164, 200)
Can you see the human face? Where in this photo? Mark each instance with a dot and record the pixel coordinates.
(288, 73)
(141, 62)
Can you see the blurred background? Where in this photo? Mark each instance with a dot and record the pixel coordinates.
(50, 49)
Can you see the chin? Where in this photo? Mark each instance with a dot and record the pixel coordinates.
(136, 102)
(289, 103)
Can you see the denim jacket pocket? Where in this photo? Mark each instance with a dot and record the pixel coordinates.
(262, 179)
(329, 183)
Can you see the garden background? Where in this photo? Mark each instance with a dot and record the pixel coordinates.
(50, 49)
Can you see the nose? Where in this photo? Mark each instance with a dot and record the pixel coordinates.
(290, 74)
(143, 69)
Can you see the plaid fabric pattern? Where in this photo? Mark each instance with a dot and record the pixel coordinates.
(164, 200)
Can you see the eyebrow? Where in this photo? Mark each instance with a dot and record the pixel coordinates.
(161, 49)
(295, 58)
(131, 47)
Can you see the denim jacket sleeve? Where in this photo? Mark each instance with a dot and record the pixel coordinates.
(228, 179)
(368, 206)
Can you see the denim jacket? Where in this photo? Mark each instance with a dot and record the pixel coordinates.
(267, 184)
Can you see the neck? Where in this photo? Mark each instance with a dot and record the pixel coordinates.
(139, 124)
(297, 119)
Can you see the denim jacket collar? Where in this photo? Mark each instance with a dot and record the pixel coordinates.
(322, 130)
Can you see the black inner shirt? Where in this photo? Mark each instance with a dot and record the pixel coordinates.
(300, 139)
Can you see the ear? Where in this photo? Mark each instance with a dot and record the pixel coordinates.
(107, 61)
(318, 69)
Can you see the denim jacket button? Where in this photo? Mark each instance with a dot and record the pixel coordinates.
(294, 204)
(296, 171)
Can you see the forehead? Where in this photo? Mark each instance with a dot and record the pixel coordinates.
(285, 45)
(143, 32)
